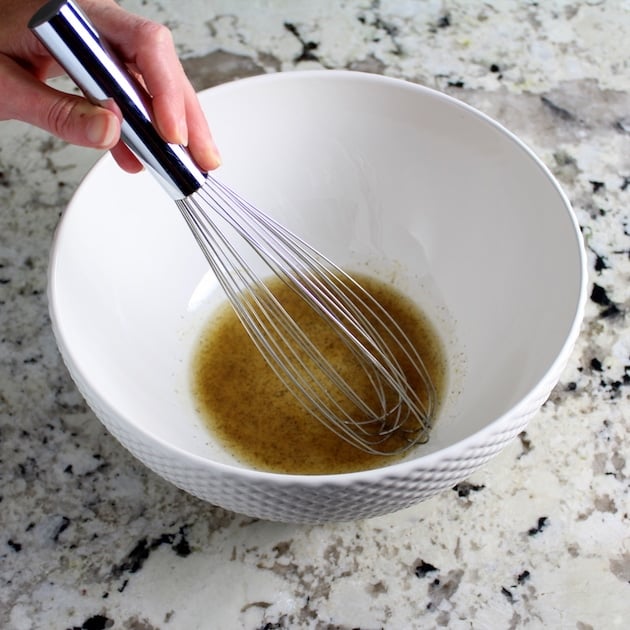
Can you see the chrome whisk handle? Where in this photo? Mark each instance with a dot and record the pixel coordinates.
(72, 40)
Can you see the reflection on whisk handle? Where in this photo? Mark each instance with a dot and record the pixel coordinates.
(71, 39)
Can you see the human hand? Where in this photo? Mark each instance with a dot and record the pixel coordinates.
(147, 49)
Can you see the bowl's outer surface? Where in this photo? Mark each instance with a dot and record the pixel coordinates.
(378, 168)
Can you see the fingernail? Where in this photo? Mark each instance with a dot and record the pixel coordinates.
(213, 156)
(182, 133)
(217, 157)
(102, 130)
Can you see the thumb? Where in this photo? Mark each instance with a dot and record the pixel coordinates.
(67, 116)
(77, 121)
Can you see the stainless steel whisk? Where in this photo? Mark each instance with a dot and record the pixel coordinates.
(228, 229)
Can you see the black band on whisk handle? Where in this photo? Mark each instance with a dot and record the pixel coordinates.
(72, 40)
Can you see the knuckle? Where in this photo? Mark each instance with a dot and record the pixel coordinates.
(153, 33)
(59, 116)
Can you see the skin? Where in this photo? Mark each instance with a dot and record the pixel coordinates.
(147, 49)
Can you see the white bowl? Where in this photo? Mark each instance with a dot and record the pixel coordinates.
(382, 175)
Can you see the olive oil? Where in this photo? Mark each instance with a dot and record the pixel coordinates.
(252, 414)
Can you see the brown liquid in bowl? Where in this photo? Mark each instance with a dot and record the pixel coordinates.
(252, 414)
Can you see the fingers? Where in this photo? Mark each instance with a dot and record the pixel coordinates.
(200, 141)
(148, 47)
(178, 114)
(155, 59)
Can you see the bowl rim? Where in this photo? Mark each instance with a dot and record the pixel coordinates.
(396, 469)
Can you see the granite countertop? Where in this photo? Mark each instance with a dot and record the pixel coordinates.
(539, 538)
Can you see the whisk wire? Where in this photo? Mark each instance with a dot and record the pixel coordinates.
(360, 323)
(312, 287)
(260, 311)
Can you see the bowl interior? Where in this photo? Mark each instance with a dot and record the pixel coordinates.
(384, 177)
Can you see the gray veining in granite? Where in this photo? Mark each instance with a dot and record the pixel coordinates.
(539, 538)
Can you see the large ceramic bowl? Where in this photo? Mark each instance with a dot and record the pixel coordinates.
(385, 177)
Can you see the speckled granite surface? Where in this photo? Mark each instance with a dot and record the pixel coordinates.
(540, 538)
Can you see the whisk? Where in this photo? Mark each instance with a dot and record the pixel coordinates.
(401, 403)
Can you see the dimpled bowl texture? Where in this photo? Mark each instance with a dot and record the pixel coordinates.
(387, 178)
